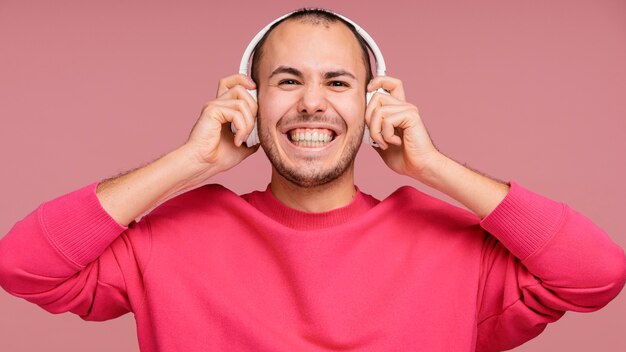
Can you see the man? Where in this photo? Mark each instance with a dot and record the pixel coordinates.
(312, 263)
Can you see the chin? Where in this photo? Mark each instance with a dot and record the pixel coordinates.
(311, 153)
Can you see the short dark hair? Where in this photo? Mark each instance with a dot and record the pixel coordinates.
(315, 16)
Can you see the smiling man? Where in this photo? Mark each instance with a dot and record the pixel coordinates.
(312, 263)
(316, 88)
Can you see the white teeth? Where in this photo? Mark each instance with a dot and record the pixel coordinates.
(305, 137)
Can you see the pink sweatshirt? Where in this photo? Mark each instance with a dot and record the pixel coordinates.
(213, 271)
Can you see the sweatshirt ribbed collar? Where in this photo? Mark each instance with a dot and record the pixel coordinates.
(267, 203)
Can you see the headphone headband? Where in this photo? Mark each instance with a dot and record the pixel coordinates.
(378, 56)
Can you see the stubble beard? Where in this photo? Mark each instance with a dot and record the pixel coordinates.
(313, 175)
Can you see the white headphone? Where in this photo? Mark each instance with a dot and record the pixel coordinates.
(253, 138)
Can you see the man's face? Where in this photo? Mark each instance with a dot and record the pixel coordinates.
(311, 101)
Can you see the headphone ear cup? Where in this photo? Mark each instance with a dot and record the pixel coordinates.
(368, 97)
(253, 93)
(367, 139)
(253, 138)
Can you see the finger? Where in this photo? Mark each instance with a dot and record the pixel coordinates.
(392, 85)
(237, 119)
(378, 117)
(394, 117)
(223, 114)
(400, 120)
(375, 128)
(378, 100)
(381, 105)
(239, 93)
(245, 124)
(229, 82)
(389, 127)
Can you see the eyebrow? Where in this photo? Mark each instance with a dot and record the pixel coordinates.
(297, 73)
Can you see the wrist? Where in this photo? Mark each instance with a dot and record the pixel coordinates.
(434, 167)
(192, 170)
(476, 191)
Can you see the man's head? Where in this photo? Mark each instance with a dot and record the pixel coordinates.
(317, 17)
(311, 72)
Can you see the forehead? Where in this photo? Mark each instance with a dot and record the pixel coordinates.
(311, 47)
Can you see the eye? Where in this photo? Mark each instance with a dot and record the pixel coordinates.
(344, 84)
(291, 81)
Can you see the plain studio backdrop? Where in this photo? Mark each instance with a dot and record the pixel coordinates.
(530, 91)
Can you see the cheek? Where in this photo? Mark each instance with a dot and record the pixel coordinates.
(273, 108)
(351, 110)
(269, 115)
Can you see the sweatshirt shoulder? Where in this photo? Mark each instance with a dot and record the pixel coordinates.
(421, 206)
(207, 197)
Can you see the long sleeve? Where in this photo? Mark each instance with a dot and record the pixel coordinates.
(544, 258)
(70, 255)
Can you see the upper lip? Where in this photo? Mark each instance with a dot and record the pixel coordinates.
(327, 126)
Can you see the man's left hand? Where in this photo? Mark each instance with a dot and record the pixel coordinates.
(397, 127)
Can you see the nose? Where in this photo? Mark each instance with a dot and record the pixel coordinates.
(313, 99)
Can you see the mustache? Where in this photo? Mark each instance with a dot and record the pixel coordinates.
(317, 117)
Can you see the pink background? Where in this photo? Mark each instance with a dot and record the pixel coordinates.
(531, 91)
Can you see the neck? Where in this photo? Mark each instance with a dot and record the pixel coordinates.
(332, 195)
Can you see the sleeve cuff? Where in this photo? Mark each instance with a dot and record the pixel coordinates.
(524, 221)
(78, 226)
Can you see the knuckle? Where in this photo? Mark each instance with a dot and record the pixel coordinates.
(207, 106)
(241, 105)
(384, 108)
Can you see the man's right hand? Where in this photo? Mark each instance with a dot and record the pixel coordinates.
(211, 139)
(210, 149)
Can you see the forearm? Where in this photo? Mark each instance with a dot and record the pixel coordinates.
(51, 250)
(69, 248)
(127, 196)
(477, 192)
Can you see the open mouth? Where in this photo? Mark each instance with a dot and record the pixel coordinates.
(311, 137)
